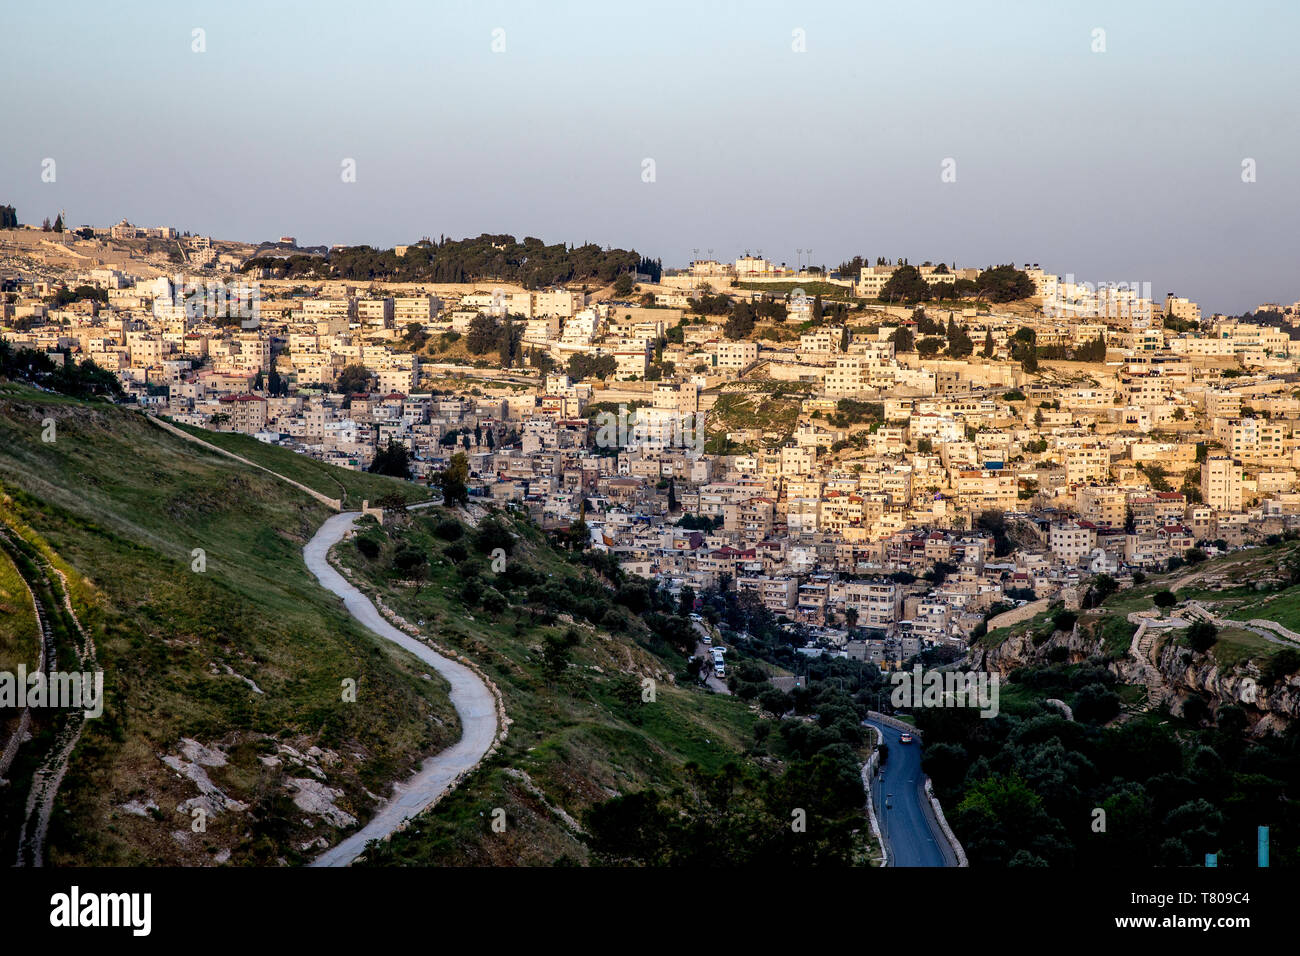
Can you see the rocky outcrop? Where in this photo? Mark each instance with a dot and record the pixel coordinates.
(1271, 707)
(1171, 674)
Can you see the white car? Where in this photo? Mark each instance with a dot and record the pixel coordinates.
(905, 739)
(707, 639)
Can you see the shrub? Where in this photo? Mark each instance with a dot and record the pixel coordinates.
(449, 529)
(1201, 636)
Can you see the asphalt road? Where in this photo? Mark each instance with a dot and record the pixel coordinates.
(908, 825)
(473, 701)
(717, 684)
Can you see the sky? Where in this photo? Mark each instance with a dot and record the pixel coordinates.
(679, 128)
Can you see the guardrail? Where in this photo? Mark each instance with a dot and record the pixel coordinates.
(894, 722)
(943, 825)
(868, 771)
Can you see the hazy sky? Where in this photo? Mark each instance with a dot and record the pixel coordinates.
(1123, 165)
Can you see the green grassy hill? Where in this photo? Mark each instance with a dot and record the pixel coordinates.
(245, 658)
(229, 680)
(604, 711)
(581, 733)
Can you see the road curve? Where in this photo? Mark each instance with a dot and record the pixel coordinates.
(909, 826)
(473, 701)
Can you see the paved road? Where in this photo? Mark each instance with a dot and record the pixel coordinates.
(717, 684)
(910, 830)
(470, 696)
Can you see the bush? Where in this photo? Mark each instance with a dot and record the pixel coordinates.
(408, 559)
(1096, 704)
(1201, 636)
(449, 529)
(368, 547)
(1281, 665)
(1064, 620)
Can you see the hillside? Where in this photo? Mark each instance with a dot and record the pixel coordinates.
(222, 686)
(610, 734)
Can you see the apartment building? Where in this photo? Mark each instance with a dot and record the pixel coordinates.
(1222, 483)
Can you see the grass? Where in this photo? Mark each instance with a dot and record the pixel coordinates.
(761, 409)
(1282, 607)
(577, 739)
(352, 487)
(120, 506)
(1234, 646)
(19, 637)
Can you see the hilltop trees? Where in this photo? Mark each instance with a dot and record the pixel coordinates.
(1004, 284)
(529, 262)
(906, 285)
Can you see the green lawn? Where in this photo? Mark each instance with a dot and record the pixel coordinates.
(121, 505)
(576, 737)
(334, 482)
(19, 640)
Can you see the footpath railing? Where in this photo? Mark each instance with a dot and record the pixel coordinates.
(868, 771)
(946, 830)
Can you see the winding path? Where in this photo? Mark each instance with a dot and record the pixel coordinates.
(472, 699)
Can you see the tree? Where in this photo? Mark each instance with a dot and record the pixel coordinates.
(1029, 359)
(988, 343)
(453, 480)
(581, 366)
(354, 378)
(1164, 599)
(741, 322)
(1004, 284)
(905, 284)
(1201, 636)
(959, 341)
(484, 334)
(511, 339)
(58, 223)
(687, 602)
(394, 460)
(541, 361)
(623, 285)
(929, 347)
(903, 339)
